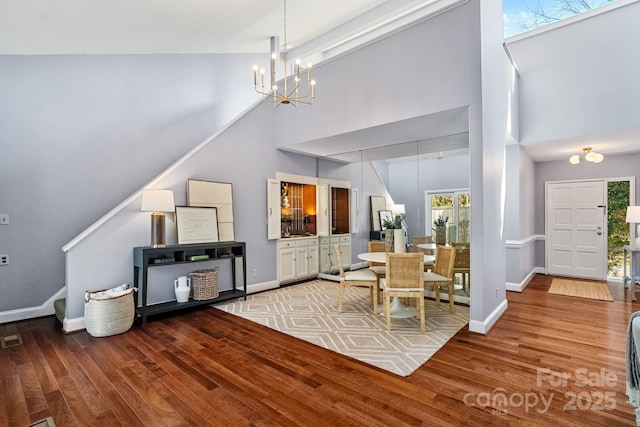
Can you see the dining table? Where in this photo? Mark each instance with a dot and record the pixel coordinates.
(397, 309)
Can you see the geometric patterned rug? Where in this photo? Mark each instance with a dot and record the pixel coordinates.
(309, 311)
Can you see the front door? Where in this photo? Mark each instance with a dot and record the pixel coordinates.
(576, 231)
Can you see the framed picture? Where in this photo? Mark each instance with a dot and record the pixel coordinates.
(385, 216)
(378, 203)
(196, 225)
(217, 195)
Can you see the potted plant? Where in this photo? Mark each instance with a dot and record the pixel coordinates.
(394, 237)
(441, 229)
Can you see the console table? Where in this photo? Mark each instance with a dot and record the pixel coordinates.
(633, 253)
(146, 257)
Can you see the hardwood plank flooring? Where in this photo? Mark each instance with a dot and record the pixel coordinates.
(550, 360)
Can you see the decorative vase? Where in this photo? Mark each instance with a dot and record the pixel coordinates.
(399, 242)
(183, 288)
(441, 234)
(389, 240)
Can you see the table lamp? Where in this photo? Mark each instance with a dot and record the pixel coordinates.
(397, 210)
(633, 216)
(158, 202)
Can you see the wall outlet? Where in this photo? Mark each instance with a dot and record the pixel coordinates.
(4, 219)
(4, 259)
(255, 272)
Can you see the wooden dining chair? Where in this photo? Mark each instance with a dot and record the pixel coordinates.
(442, 273)
(462, 264)
(404, 278)
(363, 277)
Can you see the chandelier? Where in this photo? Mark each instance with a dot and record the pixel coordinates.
(589, 155)
(284, 94)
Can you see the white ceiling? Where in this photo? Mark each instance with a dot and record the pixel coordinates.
(45, 27)
(165, 26)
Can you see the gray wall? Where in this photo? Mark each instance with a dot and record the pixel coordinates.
(80, 133)
(580, 79)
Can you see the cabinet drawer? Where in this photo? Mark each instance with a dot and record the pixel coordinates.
(286, 244)
(345, 239)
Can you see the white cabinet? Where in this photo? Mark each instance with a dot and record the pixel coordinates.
(297, 259)
(328, 261)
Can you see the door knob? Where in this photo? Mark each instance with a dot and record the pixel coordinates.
(599, 233)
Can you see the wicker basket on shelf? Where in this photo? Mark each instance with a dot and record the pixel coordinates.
(204, 284)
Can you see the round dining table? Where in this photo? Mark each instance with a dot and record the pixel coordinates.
(431, 246)
(397, 309)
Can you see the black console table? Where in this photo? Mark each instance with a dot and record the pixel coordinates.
(146, 257)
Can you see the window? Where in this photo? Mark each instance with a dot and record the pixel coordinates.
(455, 206)
(524, 15)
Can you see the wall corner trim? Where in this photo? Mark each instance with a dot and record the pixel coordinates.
(482, 327)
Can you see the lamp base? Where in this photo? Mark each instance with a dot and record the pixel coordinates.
(157, 230)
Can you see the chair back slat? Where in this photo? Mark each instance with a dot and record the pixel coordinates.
(462, 255)
(445, 260)
(405, 270)
(376, 247)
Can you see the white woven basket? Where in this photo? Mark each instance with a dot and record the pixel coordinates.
(108, 315)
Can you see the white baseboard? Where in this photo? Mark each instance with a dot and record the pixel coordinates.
(519, 287)
(482, 327)
(45, 309)
(264, 286)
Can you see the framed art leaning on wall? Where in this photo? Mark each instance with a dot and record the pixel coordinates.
(196, 225)
(218, 195)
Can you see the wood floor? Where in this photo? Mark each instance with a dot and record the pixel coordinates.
(550, 360)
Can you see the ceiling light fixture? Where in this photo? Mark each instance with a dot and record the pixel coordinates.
(286, 96)
(589, 155)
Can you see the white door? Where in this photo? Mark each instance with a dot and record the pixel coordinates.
(576, 232)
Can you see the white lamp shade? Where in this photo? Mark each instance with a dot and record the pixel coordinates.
(633, 214)
(575, 159)
(157, 201)
(398, 209)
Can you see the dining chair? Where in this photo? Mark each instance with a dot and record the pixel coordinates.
(462, 263)
(362, 277)
(415, 241)
(404, 278)
(442, 273)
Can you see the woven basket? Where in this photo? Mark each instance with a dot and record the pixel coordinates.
(204, 284)
(105, 316)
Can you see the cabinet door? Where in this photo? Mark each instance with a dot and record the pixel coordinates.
(273, 209)
(287, 264)
(302, 262)
(314, 266)
(322, 216)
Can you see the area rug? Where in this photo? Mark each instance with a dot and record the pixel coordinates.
(309, 311)
(581, 289)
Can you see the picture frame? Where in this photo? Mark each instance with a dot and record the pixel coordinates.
(385, 215)
(196, 225)
(378, 203)
(217, 195)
